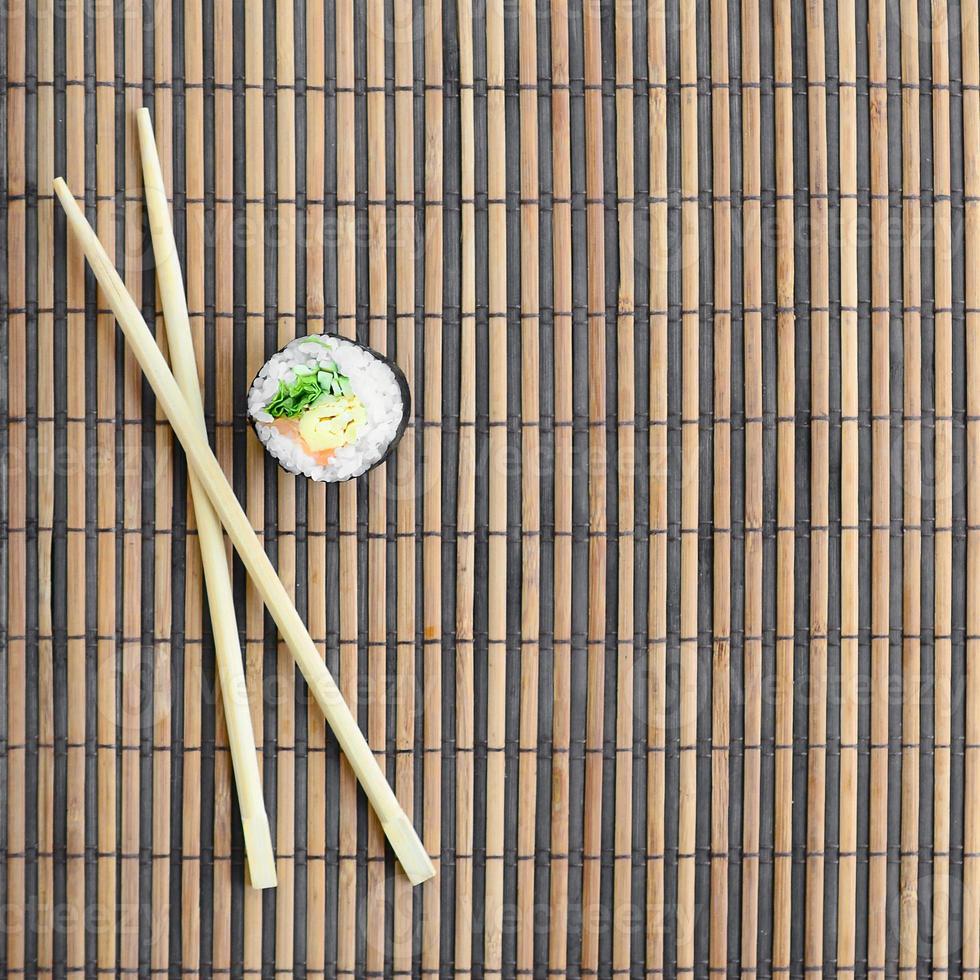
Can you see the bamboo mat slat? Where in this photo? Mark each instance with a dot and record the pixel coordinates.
(819, 315)
(850, 504)
(661, 620)
(687, 733)
(561, 633)
(530, 436)
(942, 304)
(784, 485)
(753, 507)
(657, 455)
(879, 828)
(970, 34)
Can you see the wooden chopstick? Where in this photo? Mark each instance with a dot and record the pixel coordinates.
(394, 821)
(228, 653)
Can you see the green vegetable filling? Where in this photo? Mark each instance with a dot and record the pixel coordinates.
(308, 387)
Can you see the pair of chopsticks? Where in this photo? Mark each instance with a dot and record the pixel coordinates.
(179, 395)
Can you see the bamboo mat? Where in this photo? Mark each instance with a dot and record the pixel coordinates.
(660, 619)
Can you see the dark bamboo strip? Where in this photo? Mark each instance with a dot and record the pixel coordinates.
(77, 620)
(317, 141)
(223, 223)
(659, 474)
(465, 517)
(561, 232)
(286, 511)
(255, 457)
(530, 493)
(785, 495)
(881, 481)
(496, 465)
(193, 708)
(377, 479)
(405, 460)
(596, 632)
(970, 53)
(625, 505)
(685, 925)
(721, 539)
(105, 186)
(16, 480)
(348, 570)
(131, 581)
(432, 544)
(819, 480)
(45, 327)
(943, 468)
(753, 505)
(912, 484)
(849, 511)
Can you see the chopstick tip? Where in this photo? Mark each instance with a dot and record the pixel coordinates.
(63, 192)
(144, 125)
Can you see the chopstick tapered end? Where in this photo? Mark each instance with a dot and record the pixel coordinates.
(144, 125)
(408, 848)
(61, 189)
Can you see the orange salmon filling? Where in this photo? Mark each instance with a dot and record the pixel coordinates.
(290, 429)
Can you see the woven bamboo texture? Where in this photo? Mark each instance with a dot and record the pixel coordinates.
(664, 619)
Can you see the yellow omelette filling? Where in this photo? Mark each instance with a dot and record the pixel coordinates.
(332, 422)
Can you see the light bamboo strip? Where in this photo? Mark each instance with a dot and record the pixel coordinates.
(228, 729)
(687, 694)
(78, 402)
(626, 447)
(346, 325)
(497, 463)
(881, 484)
(228, 653)
(465, 505)
(162, 692)
(912, 484)
(753, 504)
(657, 592)
(819, 479)
(943, 477)
(530, 491)
(849, 510)
(721, 538)
(286, 516)
(131, 583)
(785, 499)
(255, 461)
(45, 449)
(596, 631)
(561, 222)
(194, 268)
(405, 843)
(317, 139)
(15, 473)
(106, 732)
(377, 585)
(970, 48)
(404, 461)
(432, 638)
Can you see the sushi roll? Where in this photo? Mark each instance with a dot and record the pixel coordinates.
(328, 408)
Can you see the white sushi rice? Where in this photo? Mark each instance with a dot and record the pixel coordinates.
(371, 380)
